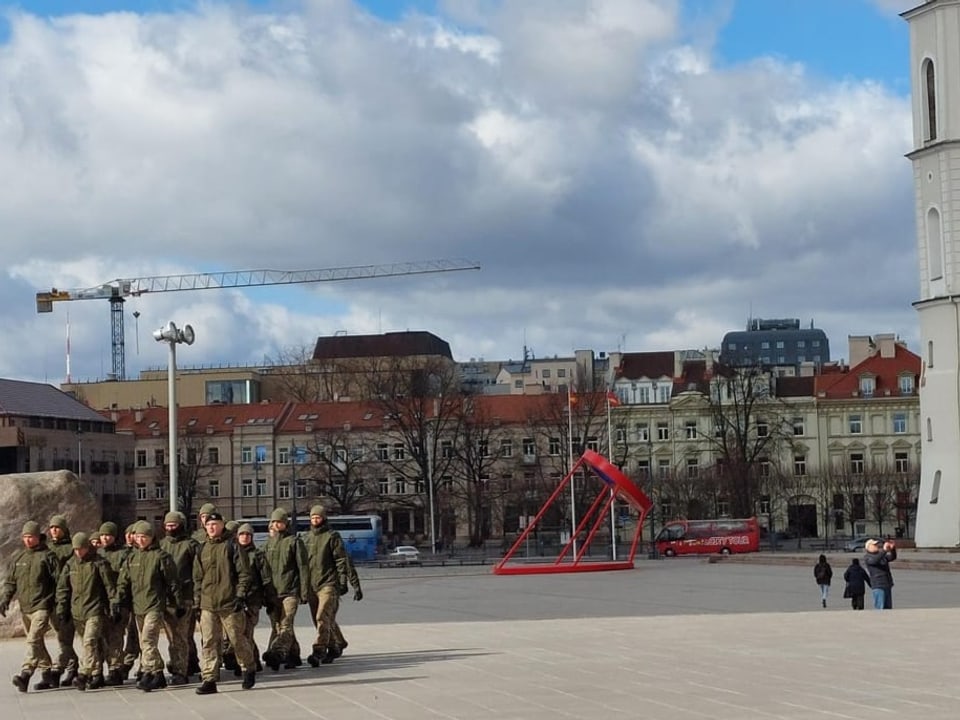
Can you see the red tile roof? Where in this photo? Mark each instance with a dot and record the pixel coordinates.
(222, 418)
(650, 365)
(886, 372)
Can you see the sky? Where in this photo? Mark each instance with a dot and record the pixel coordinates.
(636, 175)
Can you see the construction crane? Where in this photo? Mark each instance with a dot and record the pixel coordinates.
(116, 291)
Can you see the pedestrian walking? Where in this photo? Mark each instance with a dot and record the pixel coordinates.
(823, 574)
(32, 579)
(287, 557)
(179, 629)
(327, 563)
(857, 580)
(877, 561)
(261, 591)
(84, 591)
(65, 663)
(114, 552)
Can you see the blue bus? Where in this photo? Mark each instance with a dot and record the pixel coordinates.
(361, 533)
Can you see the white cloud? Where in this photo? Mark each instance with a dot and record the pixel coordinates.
(610, 178)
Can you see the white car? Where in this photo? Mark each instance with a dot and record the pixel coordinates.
(405, 554)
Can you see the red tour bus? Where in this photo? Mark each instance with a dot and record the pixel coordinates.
(699, 537)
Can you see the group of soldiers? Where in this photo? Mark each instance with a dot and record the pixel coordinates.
(118, 594)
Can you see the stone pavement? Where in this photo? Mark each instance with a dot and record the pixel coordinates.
(672, 639)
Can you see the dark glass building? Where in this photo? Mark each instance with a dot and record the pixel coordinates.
(775, 343)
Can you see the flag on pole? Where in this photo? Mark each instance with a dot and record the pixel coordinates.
(571, 396)
(612, 398)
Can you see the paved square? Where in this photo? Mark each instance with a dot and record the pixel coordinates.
(672, 639)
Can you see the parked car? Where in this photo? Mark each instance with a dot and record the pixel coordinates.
(405, 554)
(856, 544)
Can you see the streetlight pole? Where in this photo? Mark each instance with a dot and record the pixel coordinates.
(173, 337)
(80, 454)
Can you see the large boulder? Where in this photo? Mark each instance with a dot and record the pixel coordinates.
(39, 496)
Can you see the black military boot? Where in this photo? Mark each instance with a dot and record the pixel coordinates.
(249, 679)
(159, 681)
(96, 682)
(293, 661)
(329, 656)
(49, 679)
(178, 679)
(68, 677)
(143, 681)
(314, 657)
(80, 682)
(21, 681)
(272, 660)
(114, 678)
(207, 687)
(230, 661)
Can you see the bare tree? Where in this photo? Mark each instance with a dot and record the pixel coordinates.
(194, 468)
(295, 375)
(906, 487)
(341, 467)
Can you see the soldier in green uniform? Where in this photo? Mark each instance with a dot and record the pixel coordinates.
(339, 641)
(33, 580)
(287, 556)
(149, 579)
(179, 630)
(261, 586)
(221, 583)
(327, 564)
(84, 591)
(131, 644)
(114, 553)
(58, 542)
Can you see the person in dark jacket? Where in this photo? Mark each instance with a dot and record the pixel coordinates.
(823, 574)
(327, 563)
(58, 542)
(183, 549)
(261, 591)
(114, 553)
(857, 581)
(877, 561)
(84, 591)
(33, 580)
(287, 557)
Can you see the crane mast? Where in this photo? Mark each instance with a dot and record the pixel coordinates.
(116, 291)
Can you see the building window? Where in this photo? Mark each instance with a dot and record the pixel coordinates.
(643, 469)
(593, 443)
(400, 486)
(141, 458)
(246, 488)
(246, 455)
(798, 426)
(868, 384)
(763, 429)
(483, 448)
(620, 434)
(663, 393)
(553, 446)
(213, 456)
(663, 468)
(930, 100)
(765, 345)
(779, 344)
(158, 458)
(283, 491)
(529, 447)
(929, 430)
(906, 384)
(446, 449)
(663, 431)
(643, 395)
(283, 456)
(856, 463)
(764, 467)
(561, 372)
(723, 507)
(159, 491)
(546, 373)
(693, 468)
(261, 488)
(398, 451)
(518, 384)
(214, 488)
(901, 463)
(141, 491)
(856, 425)
(506, 448)
(764, 504)
(301, 489)
(801, 344)
(191, 456)
(384, 484)
(929, 353)
(800, 465)
(690, 429)
(383, 452)
(643, 432)
(899, 423)
(935, 490)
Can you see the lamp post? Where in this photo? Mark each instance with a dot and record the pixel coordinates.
(173, 336)
(80, 454)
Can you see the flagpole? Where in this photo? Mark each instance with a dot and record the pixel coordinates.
(573, 478)
(613, 503)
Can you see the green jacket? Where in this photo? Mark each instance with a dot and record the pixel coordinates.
(261, 577)
(86, 587)
(183, 549)
(287, 556)
(326, 559)
(115, 557)
(149, 581)
(63, 550)
(220, 576)
(199, 535)
(352, 575)
(33, 579)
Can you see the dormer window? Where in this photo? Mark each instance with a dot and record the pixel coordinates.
(868, 385)
(906, 385)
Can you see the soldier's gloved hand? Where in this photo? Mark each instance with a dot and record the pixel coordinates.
(4, 606)
(115, 611)
(358, 594)
(180, 612)
(239, 605)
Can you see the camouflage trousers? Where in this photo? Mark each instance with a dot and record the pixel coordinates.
(251, 616)
(213, 626)
(131, 648)
(179, 632)
(66, 655)
(324, 607)
(36, 625)
(91, 638)
(114, 633)
(282, 633)
(339, 641)
(149, 626)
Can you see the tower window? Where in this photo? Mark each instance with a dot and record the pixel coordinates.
(930, 98)
(934, 245)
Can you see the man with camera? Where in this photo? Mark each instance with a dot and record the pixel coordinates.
(877, 562)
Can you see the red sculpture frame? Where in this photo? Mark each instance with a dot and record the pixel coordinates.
(614, 484)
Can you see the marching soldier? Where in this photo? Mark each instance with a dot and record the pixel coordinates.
(339, 641)
(326, 560)
(114, 553)
(58, 542)
(221, 583)
(288, 560)
(131, 648)
(84, 591)
(179, 629)
(200, 534)
(33, 580)
(150, 580)
(261, 586)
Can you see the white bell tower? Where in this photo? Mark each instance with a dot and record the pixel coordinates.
(935, 83)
